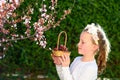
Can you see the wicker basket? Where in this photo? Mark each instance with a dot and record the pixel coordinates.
(59, 52)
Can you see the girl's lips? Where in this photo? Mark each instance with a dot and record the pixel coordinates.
(79, 48)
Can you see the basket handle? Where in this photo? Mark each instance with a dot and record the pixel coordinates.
(59, 38)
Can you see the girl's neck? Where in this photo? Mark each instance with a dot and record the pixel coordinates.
(87, 58)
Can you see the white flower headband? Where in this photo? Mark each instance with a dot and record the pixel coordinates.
(93, 29)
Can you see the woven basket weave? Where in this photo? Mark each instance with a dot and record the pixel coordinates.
(59, 52)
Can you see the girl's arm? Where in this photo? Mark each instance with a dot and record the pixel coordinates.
(59, 71)
(65, 71)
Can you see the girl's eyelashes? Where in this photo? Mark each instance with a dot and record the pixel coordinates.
(82, 42)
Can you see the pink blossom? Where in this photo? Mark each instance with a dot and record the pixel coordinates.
(44, 23)
(43, 15)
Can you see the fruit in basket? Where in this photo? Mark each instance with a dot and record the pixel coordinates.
(60, 51)
(61, 48)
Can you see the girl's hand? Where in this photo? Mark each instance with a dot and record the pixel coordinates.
(65, 60)
(56, 59)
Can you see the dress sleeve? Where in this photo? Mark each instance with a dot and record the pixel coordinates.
(59, 71)
(64, 73)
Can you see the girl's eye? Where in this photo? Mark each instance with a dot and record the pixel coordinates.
(82, 42)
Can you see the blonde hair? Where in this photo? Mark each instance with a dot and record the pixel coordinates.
(102, 42)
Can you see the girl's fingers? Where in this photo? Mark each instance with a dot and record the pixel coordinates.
(67, 57)
(61, 60)
(52, 56)
(64, 58)
(55, 59)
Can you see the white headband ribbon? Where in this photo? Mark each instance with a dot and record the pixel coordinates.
(92, 29)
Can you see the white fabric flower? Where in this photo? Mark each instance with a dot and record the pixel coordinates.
(92, 29)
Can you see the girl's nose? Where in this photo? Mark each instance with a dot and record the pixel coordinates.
(78, 45)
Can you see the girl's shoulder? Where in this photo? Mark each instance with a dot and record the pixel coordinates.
(77, 58)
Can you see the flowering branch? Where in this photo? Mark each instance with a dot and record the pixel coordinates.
(45, 21)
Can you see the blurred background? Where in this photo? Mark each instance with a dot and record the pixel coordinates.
(26, 60)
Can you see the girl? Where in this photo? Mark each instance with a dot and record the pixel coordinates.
(93, 41)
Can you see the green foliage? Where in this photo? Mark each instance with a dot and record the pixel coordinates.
(25, 56)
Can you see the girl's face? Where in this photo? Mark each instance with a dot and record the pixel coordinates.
(85, 45)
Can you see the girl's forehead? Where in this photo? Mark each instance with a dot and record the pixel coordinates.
(85, 36)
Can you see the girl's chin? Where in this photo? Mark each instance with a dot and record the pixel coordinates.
(79, 52)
